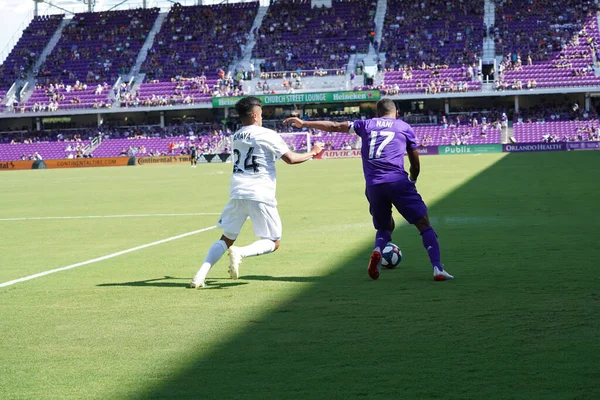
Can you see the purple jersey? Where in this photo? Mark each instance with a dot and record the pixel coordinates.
(384, 144)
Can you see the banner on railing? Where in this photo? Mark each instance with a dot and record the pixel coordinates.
(303, 98)
(471, 149)
(428, 150)
(583, 146)
(338, 154)
(15, 165)
(87, 162)
(529, 147)
(354, 153)
(183, 159)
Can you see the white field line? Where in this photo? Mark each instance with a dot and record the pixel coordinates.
(105, 216)
(113, 255)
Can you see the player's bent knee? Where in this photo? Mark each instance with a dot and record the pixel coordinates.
(226, 237)
(276, 243)
(392, 225)
(423, 224)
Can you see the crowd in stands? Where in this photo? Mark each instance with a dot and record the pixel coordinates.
(199, 39)
(583, 133)
(73, 146)
(55, 94)
(288, 84)
(181, 90)
(97, 47)
(181, 146)
(32, 157)
(295, 35)
(549, 43)
(430, 79)
(94, 48)
(538, 28)
(301, 73)
(29, 47)
(44, 136)
(434, 32)
(146, 140)
(549, 112)
(432, 47)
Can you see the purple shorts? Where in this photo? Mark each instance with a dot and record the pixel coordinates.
(401, 194)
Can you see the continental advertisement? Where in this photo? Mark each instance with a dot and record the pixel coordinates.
(471, 149)
(15, 165)
(88, 162)
(162, 160)
(303, 98)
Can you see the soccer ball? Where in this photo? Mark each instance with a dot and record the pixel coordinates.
(391, 256)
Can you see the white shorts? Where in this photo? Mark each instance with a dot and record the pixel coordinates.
(265, 219)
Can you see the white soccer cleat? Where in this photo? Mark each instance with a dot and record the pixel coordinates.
(441, 275)
(197, 284)
(235, 259)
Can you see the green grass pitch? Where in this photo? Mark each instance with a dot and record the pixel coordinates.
(520, 321)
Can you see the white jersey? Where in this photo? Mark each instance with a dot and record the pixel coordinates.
(255, 150)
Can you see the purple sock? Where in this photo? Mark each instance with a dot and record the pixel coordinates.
(382, 238)
(432, 246)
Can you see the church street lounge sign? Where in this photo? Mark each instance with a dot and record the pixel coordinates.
(303, 98)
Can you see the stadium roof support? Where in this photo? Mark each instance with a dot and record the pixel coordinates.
(72, 7)
(35, 8)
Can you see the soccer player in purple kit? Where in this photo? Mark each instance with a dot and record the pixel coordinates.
(385, 141)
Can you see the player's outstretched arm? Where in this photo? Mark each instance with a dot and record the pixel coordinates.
(415, 164)
(327, 126)
(292, 157)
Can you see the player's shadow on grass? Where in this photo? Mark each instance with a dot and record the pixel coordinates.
(183, 283)
(346, 336)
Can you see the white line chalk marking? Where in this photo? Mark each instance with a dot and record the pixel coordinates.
(105, 216)
(113, 255)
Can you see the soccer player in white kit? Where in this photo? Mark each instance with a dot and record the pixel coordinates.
(252, 191)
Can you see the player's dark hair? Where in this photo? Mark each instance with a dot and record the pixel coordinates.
(245, 106)
(385, 107)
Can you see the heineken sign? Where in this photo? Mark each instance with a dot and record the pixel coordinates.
(303, 98)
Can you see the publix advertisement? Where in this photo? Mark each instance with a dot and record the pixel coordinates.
(471, 149)
(480, 149)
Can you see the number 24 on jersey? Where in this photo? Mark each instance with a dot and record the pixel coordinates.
(250, 164)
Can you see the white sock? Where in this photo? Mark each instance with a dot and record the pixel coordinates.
(215, 253)
(263, 246)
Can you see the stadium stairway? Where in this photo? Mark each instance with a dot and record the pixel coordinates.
(594, 55)
(147, 46)
(489, 18)
(380, 19)
(51, 44)
(8, 96)
(321, 3)
(135, 81)
(29, 83)
(370, 59)
(506, 134)
(245, 59)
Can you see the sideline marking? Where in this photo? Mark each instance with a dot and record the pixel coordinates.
(119, 253)
(105, 216)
